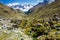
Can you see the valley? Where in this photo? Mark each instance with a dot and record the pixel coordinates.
(42, 22)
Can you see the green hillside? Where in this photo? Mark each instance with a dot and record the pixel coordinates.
(10, 13)
(46, 11)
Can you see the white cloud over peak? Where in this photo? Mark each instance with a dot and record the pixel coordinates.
(12, 4)
(51, 1)
(46, 0)
(40, 0)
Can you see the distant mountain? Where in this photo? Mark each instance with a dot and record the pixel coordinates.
(25, 7)
(22, 7)
(8, 12)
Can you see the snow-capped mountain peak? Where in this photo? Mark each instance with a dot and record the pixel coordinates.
(23, 7)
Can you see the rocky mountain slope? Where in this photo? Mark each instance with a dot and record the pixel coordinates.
(9, 12)
(46, 11)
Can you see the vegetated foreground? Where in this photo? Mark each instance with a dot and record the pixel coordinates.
(42, 24)
(10, 31)
(30, 29)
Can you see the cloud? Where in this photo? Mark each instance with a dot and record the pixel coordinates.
(51, 1)
(46, 0)
(12, 4)
(40, 0)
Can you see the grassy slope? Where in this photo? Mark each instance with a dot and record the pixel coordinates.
(9, 12)
(47, 10)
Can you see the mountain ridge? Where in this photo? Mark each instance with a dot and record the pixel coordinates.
(46, 11)
(8, 12)
(22, 7)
